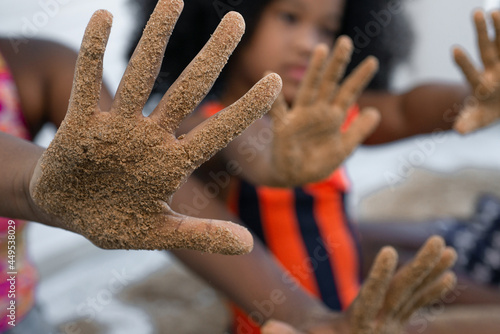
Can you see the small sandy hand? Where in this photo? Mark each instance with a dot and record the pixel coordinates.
(484, 109)
(110, 175)
(388, 299)
(309, 142)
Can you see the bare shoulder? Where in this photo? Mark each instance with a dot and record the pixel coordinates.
(37, 56)
(43, 72)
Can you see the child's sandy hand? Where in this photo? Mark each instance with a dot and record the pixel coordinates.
(110, 175)
(485, 107)
(388, 299)
(309, 142)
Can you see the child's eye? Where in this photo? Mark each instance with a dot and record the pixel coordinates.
(288, 17)
(329, 32)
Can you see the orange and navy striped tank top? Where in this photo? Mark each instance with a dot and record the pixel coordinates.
(307, 230)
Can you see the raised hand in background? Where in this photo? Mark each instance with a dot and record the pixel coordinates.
(310, 140)
(387, 298)
(484, 108)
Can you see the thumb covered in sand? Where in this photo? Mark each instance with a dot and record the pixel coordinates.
(204, 235)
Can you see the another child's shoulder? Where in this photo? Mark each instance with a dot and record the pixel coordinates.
(37, 57)
(43, 73)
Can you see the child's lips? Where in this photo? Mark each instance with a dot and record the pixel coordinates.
(296, 72)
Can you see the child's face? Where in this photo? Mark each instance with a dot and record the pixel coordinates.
(285, 37)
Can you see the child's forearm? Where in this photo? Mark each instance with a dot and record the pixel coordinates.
(18, 161)
(434, 107)
(257, 284)
(255, 281)
(424, 109)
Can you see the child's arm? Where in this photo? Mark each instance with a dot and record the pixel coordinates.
(258, 284)
(424, 109)
(110, 175)
(18, 159)
(43, 71)
(437, 107)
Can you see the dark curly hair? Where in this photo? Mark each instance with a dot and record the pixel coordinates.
(374, 28)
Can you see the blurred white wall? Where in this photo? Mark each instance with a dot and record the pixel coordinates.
(439, 25)
(490, 4)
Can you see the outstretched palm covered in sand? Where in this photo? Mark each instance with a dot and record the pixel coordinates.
(110, 175)
(309, 140)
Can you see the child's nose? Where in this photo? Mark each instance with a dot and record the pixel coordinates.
(306, 39)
